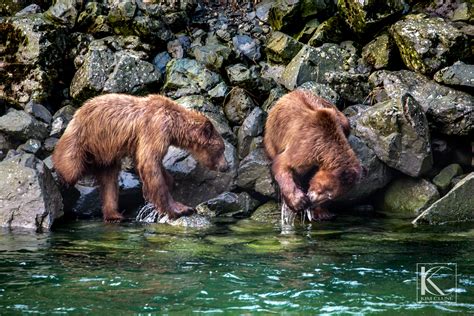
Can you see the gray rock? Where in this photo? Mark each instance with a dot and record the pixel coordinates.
(380, 52)
(32, 146)
(31, 9)
(333, 30)
(262, 10)
(219, 92)
(308, 30)
(456, 206)
(63, 12)
(194, 221)
(353, 88)
(324, 91)
(246, 46)
(459, 74)
(121, 11)
(448, 111)
(282, 48)
(244, 77)
(21, 125)
(238, 106)
(408, 197)
(175, 49)
(214, 56)
(397, 131)
(50, 144)
(160, 61)
(61, 119)
(29, 197)
(428, 44)
(271, 72)
(251, 127)
(228, 204)
(5, 146)
(444, 178)
(254, 174)
(274, 95)
(269, 212)
(39, 112)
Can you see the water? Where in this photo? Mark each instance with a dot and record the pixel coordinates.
(351, 265)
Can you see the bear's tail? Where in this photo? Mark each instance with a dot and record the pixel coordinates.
(69, 157)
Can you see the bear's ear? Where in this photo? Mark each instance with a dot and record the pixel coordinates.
(207, 130)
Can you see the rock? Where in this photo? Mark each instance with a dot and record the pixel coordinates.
(50, 144)
(160, 61)
(269, 212)
(22, 126)
(29, 197)
(31, 9)
(448, 111)
(63, 12)
(428, 44)
(61, 119)
(39, 112)
(445, 177)
(194, 183)
(324, 91)
(262, 10)
(195, 221)
(380, 52)
(464, 12)
(246, 46)
(273, 97)
(353, 88)
(238, 105)
(408, 197)
(459, 74)
(187, 76)
(5, 146)
(219, 92)
(14, 7)
(367, 16)
(312, 64)
(377, 175)
(333, 30)
(251, 127)
(397, 131)
(176, 21)
(455, 206)
(308, 30)
(254, 174)
(228, 204)
(214, 56)
(32, 146)
(244, 77)
(281, 48)
(121, 11)
(175, 49)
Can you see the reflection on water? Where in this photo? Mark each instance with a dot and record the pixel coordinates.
(352, 265)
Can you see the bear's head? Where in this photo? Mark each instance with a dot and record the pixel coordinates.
(208, 147)
(327, 185)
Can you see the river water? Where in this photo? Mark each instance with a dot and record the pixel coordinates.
(351, 265)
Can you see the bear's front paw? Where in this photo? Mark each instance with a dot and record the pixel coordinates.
(297, 201)
(178, 209)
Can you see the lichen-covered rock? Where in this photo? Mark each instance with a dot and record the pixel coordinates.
(444, 178)
(324, 91)
(22, 126)
(408, 197)
(238, 106)
(379, 53)
(228, 204)
(308, 30)
(254, 174)
(269, 212)
(187, 76)
(214, 56)
(244, 77)
(428, 44)
(333, 30)
(456, 206)
(29, 197)
(458, 74)
(352, 87)
(246, 46)
(448, 111)
(64, 12)
(282, 48)
(61, 119)
(397, 131)
(251, 128)
(367, 16)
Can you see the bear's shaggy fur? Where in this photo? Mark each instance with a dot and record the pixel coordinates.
(109, 127)
(304, 131)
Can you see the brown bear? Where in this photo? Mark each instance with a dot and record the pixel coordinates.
(304, 131)
(109, 127)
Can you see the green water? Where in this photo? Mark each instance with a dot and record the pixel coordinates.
(352, 265)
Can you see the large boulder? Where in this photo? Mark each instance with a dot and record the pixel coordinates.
(448, 111)
(21, 125)
(254, 174)
(29, 197)
(397, 131)
(428, 44)
(459, 75)
(455, 206)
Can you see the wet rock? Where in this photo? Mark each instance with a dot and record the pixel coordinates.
(428, 44)
(324, 91)
(459, 74)
(254, 174)
(269, 212)
(39, 112)
(448, 111)
(194, 183)
(22, 126)
(380, 52)
(32, 146)
(64, 12)
(455, 206)
(214, 56)
(445, 177)
(61, 119)
(282, 48)
(29, 197)
(251, 128)
(246, 46)
(195, 221)
(160, 61)
(187, 76)
(408, 197)
(368, 16)
(228, 204)
(397, 131)
(333, 30)
(238, 105)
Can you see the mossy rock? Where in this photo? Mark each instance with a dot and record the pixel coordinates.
(281, 48)
(445, 177)
(333, 30)
(379, 53)
(269, 212)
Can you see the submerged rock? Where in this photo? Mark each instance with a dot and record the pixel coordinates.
(459, 74)
(228, 204)
(397, 131)
(455, 206)
(408, 197)
(148, 214)
(29, 197)
(269, 212)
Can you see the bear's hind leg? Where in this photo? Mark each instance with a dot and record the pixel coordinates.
(108, 182)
